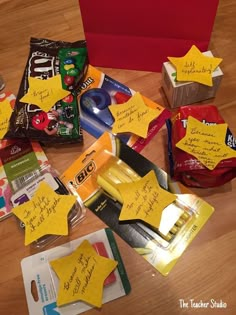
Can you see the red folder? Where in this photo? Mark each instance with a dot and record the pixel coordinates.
(140, 35)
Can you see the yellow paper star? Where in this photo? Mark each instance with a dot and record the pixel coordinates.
(82, 275)
(195, 66)
(206, 143)
(5, 115)
(44, 93)
(144, 199)
(133, 116)
(46, 213)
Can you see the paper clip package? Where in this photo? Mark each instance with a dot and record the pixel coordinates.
(41, 282)
(95, 177)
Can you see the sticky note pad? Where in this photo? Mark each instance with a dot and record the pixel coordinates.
(195, 66)
(45, 93)
(46, 213)
(144, 199)
(133, 116)
(82, 275)
(5, 115)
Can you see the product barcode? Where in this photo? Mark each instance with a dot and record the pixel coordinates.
(24, 180)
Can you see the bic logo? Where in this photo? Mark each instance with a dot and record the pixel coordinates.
(85, 173)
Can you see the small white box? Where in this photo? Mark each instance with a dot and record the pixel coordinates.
(183, 93)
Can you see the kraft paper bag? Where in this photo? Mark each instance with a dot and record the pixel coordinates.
(140, 35)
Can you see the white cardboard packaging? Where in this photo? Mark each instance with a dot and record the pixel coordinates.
(184, 93)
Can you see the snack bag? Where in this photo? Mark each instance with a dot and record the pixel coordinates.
(61, 123)
(185, 167)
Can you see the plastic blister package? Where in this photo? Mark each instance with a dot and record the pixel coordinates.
(26, 192)
(95, 176)
(174, 217)
(19, 161)
(42, 284)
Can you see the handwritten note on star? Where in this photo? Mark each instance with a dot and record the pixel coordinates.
(206, 143)
(44, 93)
(46, 213)
(195, 66)
(5, 115)
(82, 275)
(144, 200)
(133, 116)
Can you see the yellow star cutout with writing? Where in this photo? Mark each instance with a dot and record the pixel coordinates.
(206, 143)
(133, 116)
(44, 93)
(82, 275)
(195, 66)
(46, 213)
(5, 115)
(144, 199)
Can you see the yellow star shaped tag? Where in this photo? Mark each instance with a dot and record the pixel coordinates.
(133, 116)
(44, 93)
(5, 115)
(194, 66)
(82, 275)
(46, 213)
(144, 199)
(206, 143)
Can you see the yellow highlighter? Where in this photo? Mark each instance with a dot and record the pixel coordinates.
(119, 172)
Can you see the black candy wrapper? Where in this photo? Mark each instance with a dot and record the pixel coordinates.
(61, 124)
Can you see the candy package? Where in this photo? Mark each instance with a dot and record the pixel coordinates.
(61, 124)
(185, 167)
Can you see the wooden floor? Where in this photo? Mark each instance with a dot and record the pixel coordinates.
(207, 269)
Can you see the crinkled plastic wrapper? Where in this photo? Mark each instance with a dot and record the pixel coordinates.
(62, 123)
(186, 168)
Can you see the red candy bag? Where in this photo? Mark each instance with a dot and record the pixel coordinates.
(184, 167)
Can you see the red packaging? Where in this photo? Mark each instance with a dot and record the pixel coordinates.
(185, 167)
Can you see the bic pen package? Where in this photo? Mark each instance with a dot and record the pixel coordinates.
(97, 175)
